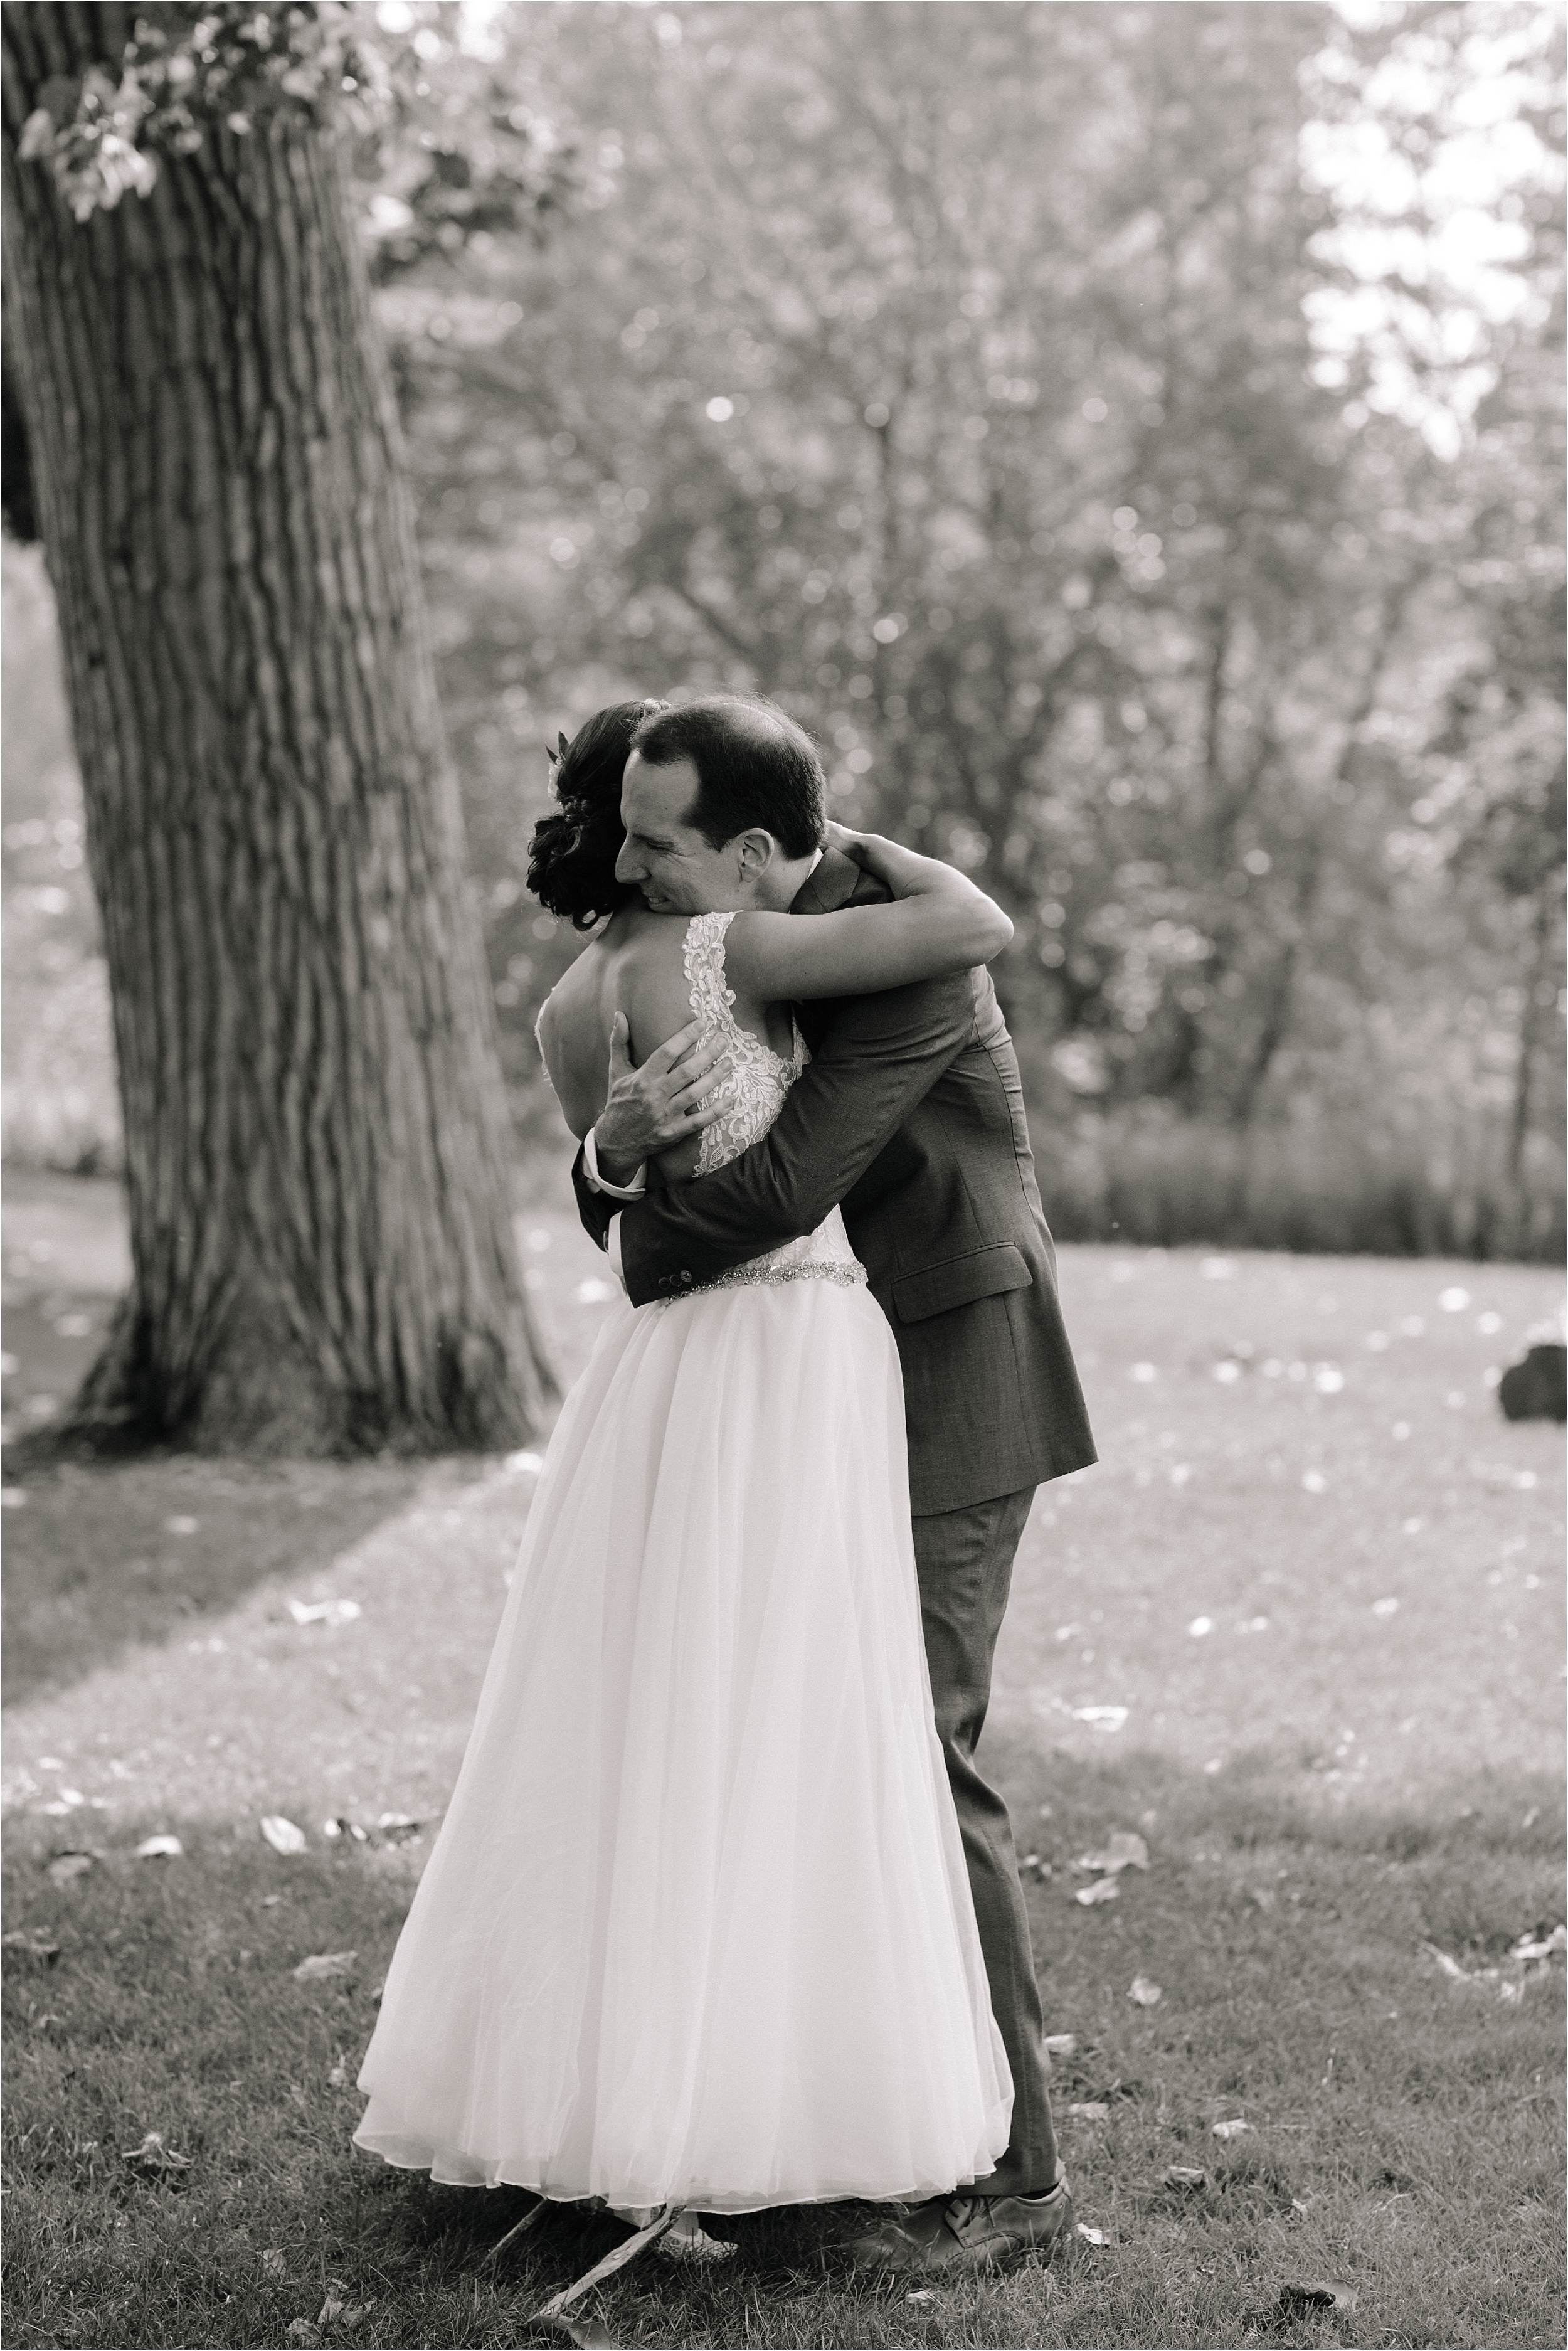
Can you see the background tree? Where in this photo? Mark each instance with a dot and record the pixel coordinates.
(956, 376)
(1056, 407)
(314, 1135)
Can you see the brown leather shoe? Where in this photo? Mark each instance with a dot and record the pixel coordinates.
(967, 2232)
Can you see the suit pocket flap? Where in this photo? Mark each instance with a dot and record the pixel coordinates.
(959, 1281)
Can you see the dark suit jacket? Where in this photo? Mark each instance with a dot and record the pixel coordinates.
(912, 1116)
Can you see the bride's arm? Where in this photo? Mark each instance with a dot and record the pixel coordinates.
(939, 923)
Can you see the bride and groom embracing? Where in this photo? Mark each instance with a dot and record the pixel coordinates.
(723, 1915)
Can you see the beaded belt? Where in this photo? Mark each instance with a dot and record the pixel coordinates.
(848, 1277)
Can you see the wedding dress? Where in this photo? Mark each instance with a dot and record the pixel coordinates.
(696, 1929)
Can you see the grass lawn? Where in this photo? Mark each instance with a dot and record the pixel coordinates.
(1327, 1784)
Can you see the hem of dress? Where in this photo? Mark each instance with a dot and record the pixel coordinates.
(696, 2199)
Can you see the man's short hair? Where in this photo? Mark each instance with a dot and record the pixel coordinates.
(755, 767)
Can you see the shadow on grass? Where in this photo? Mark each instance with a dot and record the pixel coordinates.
(1403, 2132)
(101, 1557)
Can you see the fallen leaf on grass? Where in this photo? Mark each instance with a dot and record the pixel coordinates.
(1060, 2044)
(1184, 2175)
(301, 2331)
(155, 1848)
(1101, 1717)
(1296, 2299)
(1147, 1994)
(1529, 1947)
(1124, 1850)
(1231, 2130)
(338, 2079)
(590, 2331)
(1092, 2236)
(273, 2262)
(335, 2311)
(282, 1834)
(322, 1964)
(397, 1824)
(340, 1825)
(152, 2154)
(1093, 2110)
(34, 1946)
(1301, 2204)
(1105, 1890)
(66, 1866)
(325, 1612)
(921, 2294)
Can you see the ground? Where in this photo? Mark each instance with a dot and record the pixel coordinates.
(1300, 1631)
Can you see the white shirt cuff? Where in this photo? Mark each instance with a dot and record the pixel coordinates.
(612, 1248)
(598, 1183)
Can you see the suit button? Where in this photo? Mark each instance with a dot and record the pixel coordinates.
(686, 1277)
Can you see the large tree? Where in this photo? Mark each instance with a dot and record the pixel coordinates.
(315, 1133)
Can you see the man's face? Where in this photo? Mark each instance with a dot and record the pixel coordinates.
(674, 866)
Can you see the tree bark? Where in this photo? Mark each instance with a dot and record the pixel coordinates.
(315, 1133)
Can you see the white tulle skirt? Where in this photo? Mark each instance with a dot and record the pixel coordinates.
(696, 1927)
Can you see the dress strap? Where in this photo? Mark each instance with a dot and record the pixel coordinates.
(702, 955)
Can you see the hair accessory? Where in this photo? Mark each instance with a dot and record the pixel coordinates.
(555, 757)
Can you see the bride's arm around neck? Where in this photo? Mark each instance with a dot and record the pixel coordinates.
(938, 923)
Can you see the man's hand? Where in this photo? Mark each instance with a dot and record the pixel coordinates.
(673, 1096)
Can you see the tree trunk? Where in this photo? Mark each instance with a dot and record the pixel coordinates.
(315, 1134)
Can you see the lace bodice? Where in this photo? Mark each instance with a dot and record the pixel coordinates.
(753, 1095)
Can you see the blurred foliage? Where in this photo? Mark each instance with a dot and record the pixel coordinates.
(957, 377)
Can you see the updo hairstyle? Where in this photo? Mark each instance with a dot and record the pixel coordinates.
(571, 859)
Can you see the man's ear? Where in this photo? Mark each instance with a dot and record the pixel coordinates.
(757, 851)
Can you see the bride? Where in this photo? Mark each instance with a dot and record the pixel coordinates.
(697, 1930)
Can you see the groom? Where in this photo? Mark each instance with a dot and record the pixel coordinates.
(910, 1115)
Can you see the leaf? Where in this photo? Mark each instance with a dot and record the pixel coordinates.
(301, 2331)
(66, 1866)
(1093, 2236)
(1147, 1994)
(1061, 2044)
(1093, 2110)
(591, 2331)
(154, 1848)
(281, 1834)
(338, 2079)
(1294, 2300)
(35, 1944)
(1231, 2130)
(37, 135)
(152, 2154)
(321, 1965)
(1184, 2175)
(325, 1612)
(1105, 1890)
(921, 2294)
(1124, 1849)
(273, 2262)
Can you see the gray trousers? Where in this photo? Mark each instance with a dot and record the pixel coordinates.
(965, 1560)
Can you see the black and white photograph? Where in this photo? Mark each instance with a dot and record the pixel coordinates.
(784, 1172)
